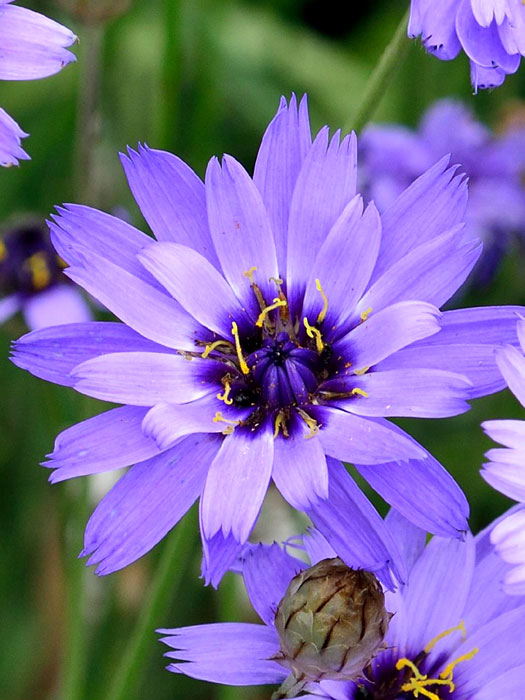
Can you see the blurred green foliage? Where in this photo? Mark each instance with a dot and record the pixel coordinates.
(198, 78)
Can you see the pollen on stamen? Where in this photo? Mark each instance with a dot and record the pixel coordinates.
(313, 332)
(359, 372)
(276, 304)
(356, 391)
(242, 362)
(249, 273)
(225, 396)
(366, 314)
(322, 314)
(280, 425)
(231, 424)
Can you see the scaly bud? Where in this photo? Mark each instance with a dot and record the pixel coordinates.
(331, 623)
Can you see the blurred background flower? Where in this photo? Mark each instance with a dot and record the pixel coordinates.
(195, 79)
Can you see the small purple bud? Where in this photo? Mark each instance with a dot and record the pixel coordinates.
(331, 623)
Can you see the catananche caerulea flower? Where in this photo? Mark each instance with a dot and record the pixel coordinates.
(31, 279)
(267, 334)
(392, 156)
(490, 32)
(506, 469)
(31, 46)
(454, 632)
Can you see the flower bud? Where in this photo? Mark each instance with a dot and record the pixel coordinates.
(331, 623)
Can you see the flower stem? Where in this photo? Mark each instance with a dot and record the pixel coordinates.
(389, 62)
(171, 567)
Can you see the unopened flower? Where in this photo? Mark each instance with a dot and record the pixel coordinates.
(331, 622)
(454, 632)
(31, 46)
(31, 279)
(490, 32)
(392, 156)
(268, 334)
(505, 470)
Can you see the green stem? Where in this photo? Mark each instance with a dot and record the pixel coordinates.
(171, 567)
(389, 62)
(172, 71)
(74, 509)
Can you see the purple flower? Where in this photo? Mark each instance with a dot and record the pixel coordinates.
(267, 335)
(506, 469)
(393, 155)
(31, 280)
(454, 632)
(490, 32)
(31, 46)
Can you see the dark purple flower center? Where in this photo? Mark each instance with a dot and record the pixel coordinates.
(277, 367)
(28, 261)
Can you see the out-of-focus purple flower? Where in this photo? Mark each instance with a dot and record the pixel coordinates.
(392, 156)
(454, 632)
(490, 32)
(31, 46)
(31, 280)
(506, 469)
(267, 335)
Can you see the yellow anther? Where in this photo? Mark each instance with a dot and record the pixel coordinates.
(313, 332)
(280, 425)
(242, 362)
(448, 671)
(232, 424)
(276, 304)
(458, 628)
(310, 422)
(356, 391)
(225, 396)
(322, 314)
(278, 281)
(359, 372)
(40, 274)
(217, 344)
(406, 663)
(366, 314)
(3, 251)
(249, 274)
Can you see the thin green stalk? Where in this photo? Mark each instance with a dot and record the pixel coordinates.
(172, 71)
(74, 511)
(172, 565)
(389, 62)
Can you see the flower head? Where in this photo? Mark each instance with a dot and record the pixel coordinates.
(31, 46)
(31, 279)
(505, 470)
(454, 633)
(392, 156)
(267, 334)
(490, 32)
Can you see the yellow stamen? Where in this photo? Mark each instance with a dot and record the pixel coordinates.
(225, 396)
(278, 281)
(419, 683)
(276, 304)
(40, 274)
(448, 671)
(361, 371)
(356, 391)
(310, 422)
(232, 424)
(366, 314)
(458, 628)
(313, 332)
(212, 346)
(3, 251)
(249, 274)
(242, 362)
(280, 425)
(322, 314)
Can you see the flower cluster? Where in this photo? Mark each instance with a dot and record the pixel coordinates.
(31, 46)
(392, 156)
(453, 632)
(268, 333)
(490, 32)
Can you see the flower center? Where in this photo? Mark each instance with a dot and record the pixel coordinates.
(412, 682)
(28, 263)
(277, 365)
